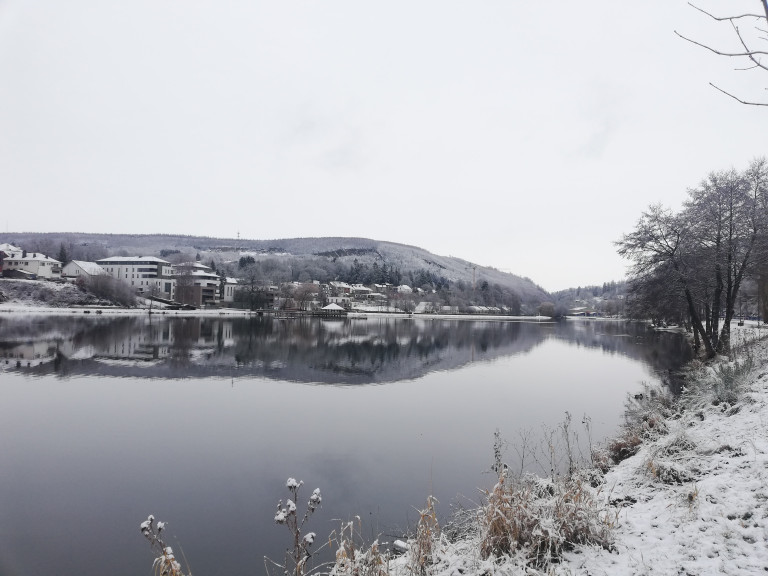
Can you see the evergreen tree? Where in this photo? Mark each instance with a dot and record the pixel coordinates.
(63, 256)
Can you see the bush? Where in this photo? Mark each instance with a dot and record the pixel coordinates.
(113, 290)
(352, 559)
(542, 518)
(729, 380)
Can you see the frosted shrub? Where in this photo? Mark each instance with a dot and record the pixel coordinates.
(540, 519)
(421, 553)
(729, 380)
(287, 514)
(165, 563)
(718, 385)
(352, 559)
(645, 418)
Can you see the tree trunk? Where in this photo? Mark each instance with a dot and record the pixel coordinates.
(697, 327)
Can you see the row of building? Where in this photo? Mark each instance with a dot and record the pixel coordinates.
(189, 283)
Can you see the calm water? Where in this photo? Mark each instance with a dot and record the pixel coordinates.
(200, 421)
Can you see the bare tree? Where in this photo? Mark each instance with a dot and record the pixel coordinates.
(703, 253)
(304, 294)
(661, 242)
(747, 39)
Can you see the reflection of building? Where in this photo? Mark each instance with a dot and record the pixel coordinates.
(30, 351)
(160, 341)
(29, 354)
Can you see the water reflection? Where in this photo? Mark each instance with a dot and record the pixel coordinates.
(361, 351)
(211, 415)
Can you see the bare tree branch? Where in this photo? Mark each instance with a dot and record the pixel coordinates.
(723, 18)
(737, 98)
(753, 55)
(750, 53)
(730, 54)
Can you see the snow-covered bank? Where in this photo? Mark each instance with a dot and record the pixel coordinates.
(693, 500)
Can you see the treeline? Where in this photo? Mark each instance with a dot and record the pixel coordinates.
(606, 299)
(436, 288)
(266, 269)
(690, 267)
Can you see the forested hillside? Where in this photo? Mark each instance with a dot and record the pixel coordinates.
(354, 260)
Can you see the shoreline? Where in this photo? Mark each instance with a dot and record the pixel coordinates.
(692, 499)
(11, 308)
(695, 499)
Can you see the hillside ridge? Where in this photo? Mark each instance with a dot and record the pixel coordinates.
(368, 251)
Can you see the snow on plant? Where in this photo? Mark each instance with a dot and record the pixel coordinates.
(288, 515)
(645, 418)
(352, 559)
(421, 552)
(165, 563)
(541, 518)
(721, 384)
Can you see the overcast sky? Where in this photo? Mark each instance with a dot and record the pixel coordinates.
(522, 135)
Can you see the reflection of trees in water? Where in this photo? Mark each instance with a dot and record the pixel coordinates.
(333, 351)
(665, 352)
(380, 348)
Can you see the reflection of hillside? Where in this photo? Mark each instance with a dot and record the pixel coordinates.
(304, 350)
(377, 350)
(663, 351)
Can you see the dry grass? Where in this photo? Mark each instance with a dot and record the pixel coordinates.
(422, 550)
(542, 518)
(352, 558)
(623, 447)
(645, 417)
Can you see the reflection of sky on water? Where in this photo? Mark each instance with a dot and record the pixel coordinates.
(87, 457)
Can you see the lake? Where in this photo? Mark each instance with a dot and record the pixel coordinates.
(200, 421)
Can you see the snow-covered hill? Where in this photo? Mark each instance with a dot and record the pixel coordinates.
(366, 251)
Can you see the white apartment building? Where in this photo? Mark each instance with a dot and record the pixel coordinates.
(144, 273)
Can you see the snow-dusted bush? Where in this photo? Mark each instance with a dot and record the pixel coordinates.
(287, 514)
(719, 385)
(353, 558)
(541, 518)
(645, 418)
(729, 380)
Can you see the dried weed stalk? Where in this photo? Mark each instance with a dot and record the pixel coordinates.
(165, 563)
(297, 558)
(352, 558)
(422, 547)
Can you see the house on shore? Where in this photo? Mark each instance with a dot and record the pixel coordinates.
(228, 291)
(31, 265)
(196, 284)
(75, 269)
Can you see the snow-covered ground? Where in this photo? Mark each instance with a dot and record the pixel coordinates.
(692, 501)
(697, 497)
